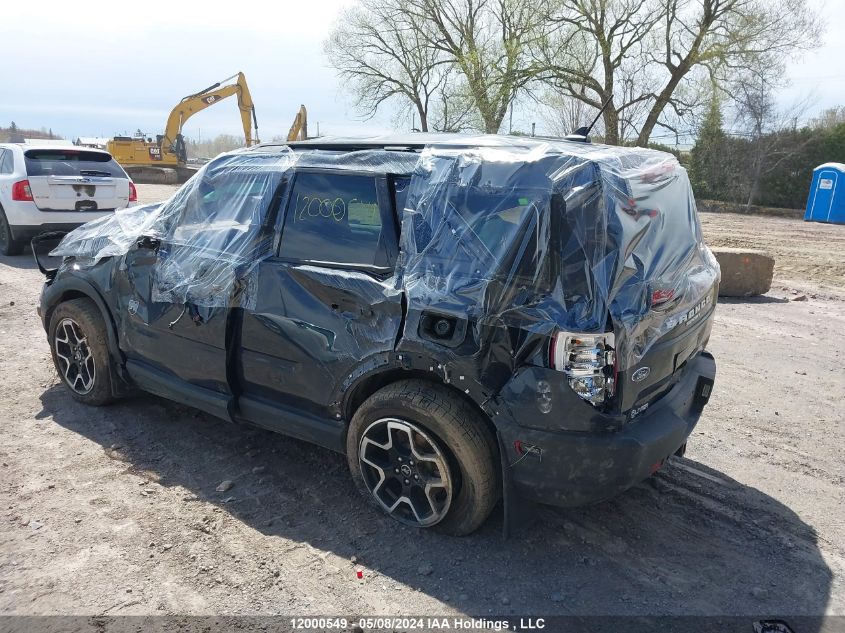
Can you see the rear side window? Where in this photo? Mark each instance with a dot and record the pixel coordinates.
(493, 217)
(334, 218)
(71, 162)
(7, 161)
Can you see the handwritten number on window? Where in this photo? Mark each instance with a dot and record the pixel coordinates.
(326, 208)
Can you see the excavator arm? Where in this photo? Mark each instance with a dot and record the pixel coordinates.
(299, 129)
(172, 140)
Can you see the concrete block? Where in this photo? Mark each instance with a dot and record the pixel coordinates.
(745, 272)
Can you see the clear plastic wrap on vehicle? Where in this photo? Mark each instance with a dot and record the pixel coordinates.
(110, 235)
(508, 234)
(210, 235)
(219, 228)
(555, 236)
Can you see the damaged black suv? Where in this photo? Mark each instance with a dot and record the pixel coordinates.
(465, 317)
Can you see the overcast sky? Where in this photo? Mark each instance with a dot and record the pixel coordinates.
(105, 67)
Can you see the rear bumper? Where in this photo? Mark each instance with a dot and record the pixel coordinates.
(26, 220)
(577, 468)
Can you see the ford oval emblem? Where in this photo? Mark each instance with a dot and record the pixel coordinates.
(641, 374)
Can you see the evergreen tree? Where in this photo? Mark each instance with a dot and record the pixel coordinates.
(707, 158)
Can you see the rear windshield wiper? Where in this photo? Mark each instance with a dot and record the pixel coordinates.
(93, 172)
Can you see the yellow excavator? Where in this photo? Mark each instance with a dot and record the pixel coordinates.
(164, 160)
(299, 129)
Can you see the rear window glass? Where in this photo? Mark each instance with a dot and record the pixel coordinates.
(71, 162)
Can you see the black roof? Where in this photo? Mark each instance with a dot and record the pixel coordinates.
(417, 141)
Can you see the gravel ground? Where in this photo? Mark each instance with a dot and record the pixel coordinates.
(154, 193)
(808, 255)
(115, 510)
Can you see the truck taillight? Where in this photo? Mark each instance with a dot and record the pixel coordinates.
(21, 191)
(133, 193)
(589, 362)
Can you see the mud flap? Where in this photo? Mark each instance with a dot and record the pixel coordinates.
(519, 512)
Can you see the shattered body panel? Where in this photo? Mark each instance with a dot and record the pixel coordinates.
(499, 243)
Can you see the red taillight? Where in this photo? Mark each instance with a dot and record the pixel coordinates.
(662, 295)
(21, 191)
(133, 193)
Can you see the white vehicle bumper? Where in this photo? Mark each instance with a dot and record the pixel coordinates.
(26, 220)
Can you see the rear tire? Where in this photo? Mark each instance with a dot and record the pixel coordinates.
(424, 456)
(80, 349)
(8, 245)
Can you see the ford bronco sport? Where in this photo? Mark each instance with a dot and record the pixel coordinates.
(464, 317)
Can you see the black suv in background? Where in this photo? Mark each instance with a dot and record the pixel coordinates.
(462, 316)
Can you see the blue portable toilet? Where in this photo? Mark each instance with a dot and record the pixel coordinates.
(827, 194)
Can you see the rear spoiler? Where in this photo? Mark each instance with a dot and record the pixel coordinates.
(41, 245)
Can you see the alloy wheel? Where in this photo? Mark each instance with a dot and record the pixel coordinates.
(77, 362)
(405, 471)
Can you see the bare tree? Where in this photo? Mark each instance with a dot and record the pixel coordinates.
(453, 109)
(766, 125)
(382, 52)
(594, 51)
(725, 37)
(487, 41)
(828, 119)
(563, 114)
(636, 55)
(645, 59)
